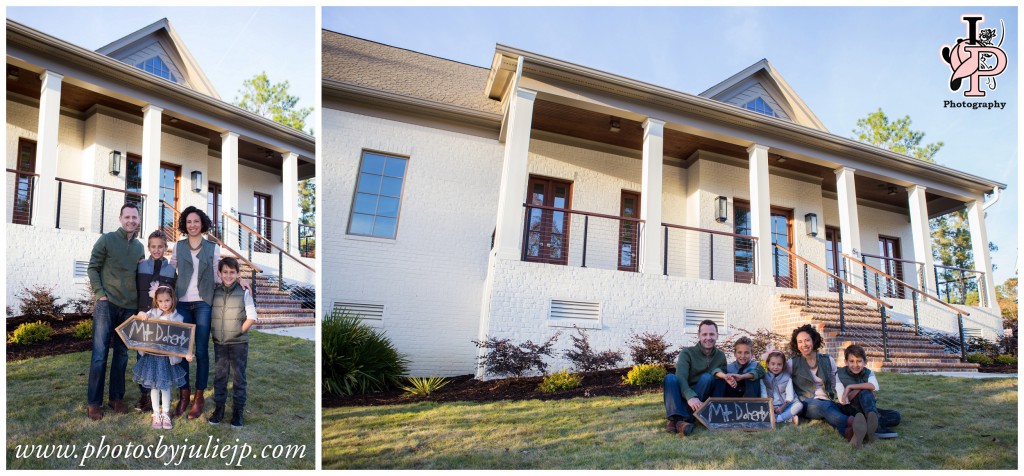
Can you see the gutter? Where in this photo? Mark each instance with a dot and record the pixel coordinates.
(995, 198)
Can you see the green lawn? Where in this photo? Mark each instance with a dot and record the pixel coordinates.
(948, 423)
(46, 405)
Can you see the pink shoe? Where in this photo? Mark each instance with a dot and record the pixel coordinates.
(165, 421)
(157, 421)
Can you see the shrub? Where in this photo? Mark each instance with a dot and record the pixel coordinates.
(979, 358)
(85, 303)
(650, 348)
(1006, 359)
(30, 333)
(423, 386)
(560, 381)
(83, 330)
(763, 339)
(505, 358)
(358, 359)
(39, 301)
(584, 359)
(981, 345)
(645, 374)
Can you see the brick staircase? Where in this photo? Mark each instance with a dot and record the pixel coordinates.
(907, 351)
(276, 308)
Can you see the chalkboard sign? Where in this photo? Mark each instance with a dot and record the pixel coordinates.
(747, 414)
(158, 336)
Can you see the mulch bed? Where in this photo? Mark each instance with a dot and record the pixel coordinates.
(61, 342)
(998, 369)
(467, 389)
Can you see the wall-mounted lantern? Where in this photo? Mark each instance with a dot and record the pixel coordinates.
(115, 163)
(722, 209)
(197, 181)
(811, 223)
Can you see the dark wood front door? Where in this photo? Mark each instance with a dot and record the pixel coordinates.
(743, 250)
(833, 256)
(889, 247)
(170, 178)
(261, 208)
(783, 264)
(629, 207)
(214, 205)
(24, 184)
(547, 231)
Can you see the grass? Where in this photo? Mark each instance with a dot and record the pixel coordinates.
(948, 423)
(46, 405)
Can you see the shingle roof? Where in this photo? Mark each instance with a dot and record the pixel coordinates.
(395, 70)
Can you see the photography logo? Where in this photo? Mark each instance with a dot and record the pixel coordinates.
(975, 57)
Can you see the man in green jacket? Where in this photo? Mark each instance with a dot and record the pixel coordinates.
(112, 266)
(693, 379)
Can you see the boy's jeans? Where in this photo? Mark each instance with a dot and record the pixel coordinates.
(235, 357)
(744, 389)
(105, 318)
(864, 403)
(675, 406)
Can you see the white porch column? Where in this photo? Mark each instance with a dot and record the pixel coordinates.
(515, 175)
(151, 169)
(44, 210)
(229, 172)
(760, 212)
(922, 236)
(849, 223)
(650, 259)
(979, 245)
(290, 179)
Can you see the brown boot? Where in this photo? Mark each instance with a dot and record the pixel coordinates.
(197, 406)
(143, 405)
(182, 405)
(118, 406)
(95, 412)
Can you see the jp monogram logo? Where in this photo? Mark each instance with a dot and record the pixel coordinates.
(971, 57)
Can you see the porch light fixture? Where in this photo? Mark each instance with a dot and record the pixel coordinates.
(614, 125)
(197, 181)
(811, 223)
(722, 207)
(115, 163)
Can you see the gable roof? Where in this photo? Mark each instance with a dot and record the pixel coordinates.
(762, 73)
(163, 33)
(366, 64)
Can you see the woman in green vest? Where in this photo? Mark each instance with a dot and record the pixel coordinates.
(814, 381)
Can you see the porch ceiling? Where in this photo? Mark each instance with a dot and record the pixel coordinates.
(80, 99)
(593, 126)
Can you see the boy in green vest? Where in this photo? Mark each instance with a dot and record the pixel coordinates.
(233, 313)
(856, 386)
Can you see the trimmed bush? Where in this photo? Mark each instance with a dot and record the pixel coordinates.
(584, 359)
(39, 301)
(560, 381)
(358, 359)
(503, 358)
(979, 358)
(1006, 359)
(83, 330)
(651, 348)
(31, 333)
(645, 374)
(423, 386)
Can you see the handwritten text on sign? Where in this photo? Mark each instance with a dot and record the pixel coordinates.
(750, 414)
(158, 336)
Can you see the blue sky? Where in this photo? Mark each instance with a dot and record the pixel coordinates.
(231, 44)
(843, 62)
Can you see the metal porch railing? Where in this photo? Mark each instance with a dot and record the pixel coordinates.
(93, 208)
(584, 239)
(708, 254)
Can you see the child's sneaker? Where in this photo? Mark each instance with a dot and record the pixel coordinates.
(157, 421)
(165, 421)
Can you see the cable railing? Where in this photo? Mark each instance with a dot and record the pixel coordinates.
(21, 186)
(168, 211)
(93, 208)
(582, 239)
(271, 230)
(895, 269)
(248, 238)
(307, 241)
(708, 254)
(958, 284)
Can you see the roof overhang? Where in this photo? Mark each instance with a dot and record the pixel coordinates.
(344, 91)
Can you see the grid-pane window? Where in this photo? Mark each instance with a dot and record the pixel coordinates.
(378, 196)
(156, 66)
(758, 105)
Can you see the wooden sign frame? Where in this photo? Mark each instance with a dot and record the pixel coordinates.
(191, 341)
(771, 412)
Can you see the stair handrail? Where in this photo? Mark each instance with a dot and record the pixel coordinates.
(912, 288)
(836, 277)
(211, 237)
(267, 240)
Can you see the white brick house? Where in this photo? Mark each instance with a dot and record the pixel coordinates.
(136, 120)
(648, 209)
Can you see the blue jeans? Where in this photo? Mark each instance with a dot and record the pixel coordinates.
(744, 389)
(105, 318)
(864, 403)
(198, 313)
(675, 407)
(827, 410)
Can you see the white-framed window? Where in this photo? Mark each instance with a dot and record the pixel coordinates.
(378, 195)
(157, 66)
(758, 105)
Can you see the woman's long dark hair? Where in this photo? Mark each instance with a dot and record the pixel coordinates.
(816, 340)
(206, 223)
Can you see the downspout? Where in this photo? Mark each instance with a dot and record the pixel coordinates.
(995, 198)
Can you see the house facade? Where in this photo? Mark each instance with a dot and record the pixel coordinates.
(138, 121)
(538, 196)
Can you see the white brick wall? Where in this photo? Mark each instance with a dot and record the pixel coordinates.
(45, 257)
(875, 222)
